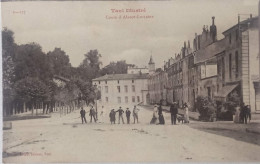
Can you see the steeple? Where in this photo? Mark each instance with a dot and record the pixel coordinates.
(151, 65)
(151, 60)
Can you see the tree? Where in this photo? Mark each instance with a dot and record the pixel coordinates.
(59, 62)
(119, 67)
(32, 90)
(30, 61)
(90, 67)
(8, 66)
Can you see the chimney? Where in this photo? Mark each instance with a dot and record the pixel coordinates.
(251, 16)
(188, 44)
(238, 18)
(184, 44)
(213, 20)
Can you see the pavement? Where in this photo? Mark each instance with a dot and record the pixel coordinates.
(63, 138)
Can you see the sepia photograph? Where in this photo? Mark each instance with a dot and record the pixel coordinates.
(132, 81)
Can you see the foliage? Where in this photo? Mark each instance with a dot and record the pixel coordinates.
(206, 108)
(233, 101)
(119, 67)
(59, 62)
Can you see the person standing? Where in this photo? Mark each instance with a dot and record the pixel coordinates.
(237, 113)
(92, 114)
(249, 112)
(186, 114)
(128, 114)
(155, 115)
(120, 115)
(82, 114)
(135, 114)
(244, 114)
(161, 118)
(174, 112)
(112, 116)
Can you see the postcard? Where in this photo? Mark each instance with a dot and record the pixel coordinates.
(130, 81)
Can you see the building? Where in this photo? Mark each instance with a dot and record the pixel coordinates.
(124, 90)
(136, 70)
(238, 65)
(157, 87)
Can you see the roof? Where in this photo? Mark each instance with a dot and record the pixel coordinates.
(226, 90)
(122, 77)
(242, 22)
(209, 51)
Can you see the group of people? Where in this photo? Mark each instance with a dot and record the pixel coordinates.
(92, 114)
(158, 117)
(243, 114)
(112, 115)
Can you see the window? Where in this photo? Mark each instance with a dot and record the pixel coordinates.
(236, 62)
(230, 38)
(133, 99)
(119, 100)
(223, 68)
(126, 99)
(106, 99)
(230, 66)
(106, 82)
(209, 91)
(118, 89)
(126, 88)
(118, 81)
(106, 89)
(133, 81)
(133, 88)
(138, 99)
(98, 82)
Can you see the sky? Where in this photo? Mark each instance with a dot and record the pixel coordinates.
(80, 26)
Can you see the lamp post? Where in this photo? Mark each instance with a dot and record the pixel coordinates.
(96, 91)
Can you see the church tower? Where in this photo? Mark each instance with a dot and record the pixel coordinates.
(151, 65)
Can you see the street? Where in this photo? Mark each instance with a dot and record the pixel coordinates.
(65, 139)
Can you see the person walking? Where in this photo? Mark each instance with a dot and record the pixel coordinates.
(128, 114)
(112, 116)
(174, 112)
(120, 116)
(92, 114)
(135, 114)
(186, 114)
(82, 114)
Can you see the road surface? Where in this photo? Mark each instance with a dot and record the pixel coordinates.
(65, 139)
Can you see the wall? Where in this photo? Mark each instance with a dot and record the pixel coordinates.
(141, 85)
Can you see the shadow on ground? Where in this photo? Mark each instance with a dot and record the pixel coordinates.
(15, 118)
(241, 132)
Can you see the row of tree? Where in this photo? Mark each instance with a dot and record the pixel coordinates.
(29, 73)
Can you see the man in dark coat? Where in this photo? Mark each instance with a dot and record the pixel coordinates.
(82, 114)
(120, 111)
(112, 116)
(174, 112)
(244, 114)
(128, 114)
(161, 118)
(92, 114)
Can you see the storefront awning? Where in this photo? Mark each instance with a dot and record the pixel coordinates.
(225, 91)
